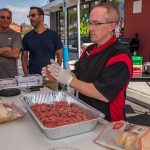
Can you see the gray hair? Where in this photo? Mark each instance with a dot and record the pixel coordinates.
(6, 9)
(113, 14)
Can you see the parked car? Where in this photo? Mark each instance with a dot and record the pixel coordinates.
(73, 39)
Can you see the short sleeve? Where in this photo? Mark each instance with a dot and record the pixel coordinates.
(113, 80)
(17, 42)
(25, 45)
(58, 43)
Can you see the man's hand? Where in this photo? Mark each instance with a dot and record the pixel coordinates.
(4, 49)
(61, 75)
(46, 74)
(7, 48)
(10, 52)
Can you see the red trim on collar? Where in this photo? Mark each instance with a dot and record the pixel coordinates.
(108, 43)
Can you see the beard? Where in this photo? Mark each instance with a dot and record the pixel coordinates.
(34, 24)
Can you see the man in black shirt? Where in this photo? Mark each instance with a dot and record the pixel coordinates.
(104, 69)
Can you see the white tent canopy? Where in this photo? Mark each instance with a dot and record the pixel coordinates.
(55, 5)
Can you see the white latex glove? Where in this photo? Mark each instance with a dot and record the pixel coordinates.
(45, 73)
(61, 75)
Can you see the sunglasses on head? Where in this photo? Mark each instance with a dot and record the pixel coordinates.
(4, 17)
(32, 15)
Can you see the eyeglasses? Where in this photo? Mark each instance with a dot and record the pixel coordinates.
(96, 23)
(4, 17)
(32, 15)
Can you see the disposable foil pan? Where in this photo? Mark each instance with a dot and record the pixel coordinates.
(65, 130)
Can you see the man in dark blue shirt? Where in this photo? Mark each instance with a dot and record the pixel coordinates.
(41, 44)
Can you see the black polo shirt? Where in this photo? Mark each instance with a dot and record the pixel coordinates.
(109, 68)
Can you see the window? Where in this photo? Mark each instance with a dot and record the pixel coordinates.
(61, 25)
(72, 29)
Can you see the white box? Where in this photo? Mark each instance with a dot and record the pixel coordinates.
(30, 80)
(8, 83)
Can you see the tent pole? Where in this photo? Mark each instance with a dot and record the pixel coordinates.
(78, 29)
(65, 48)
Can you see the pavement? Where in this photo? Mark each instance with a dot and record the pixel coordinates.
(137, 106)
(139, 93)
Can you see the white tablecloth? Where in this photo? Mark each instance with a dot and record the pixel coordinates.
(24, 134)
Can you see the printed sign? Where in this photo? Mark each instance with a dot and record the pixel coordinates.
(83, 25)
(64, 5)
(137, 6)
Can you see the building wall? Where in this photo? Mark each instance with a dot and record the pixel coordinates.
(139, 23)
(15, 27)
(26, 28)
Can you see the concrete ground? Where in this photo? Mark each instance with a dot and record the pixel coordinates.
(139, 92)
(137, 114)
(138, 103)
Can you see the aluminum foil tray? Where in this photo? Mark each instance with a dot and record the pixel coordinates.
(65, 130)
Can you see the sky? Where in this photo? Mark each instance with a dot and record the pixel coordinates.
(20, 9)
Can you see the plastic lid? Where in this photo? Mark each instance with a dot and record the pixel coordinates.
(137, 58)
(9, 92)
